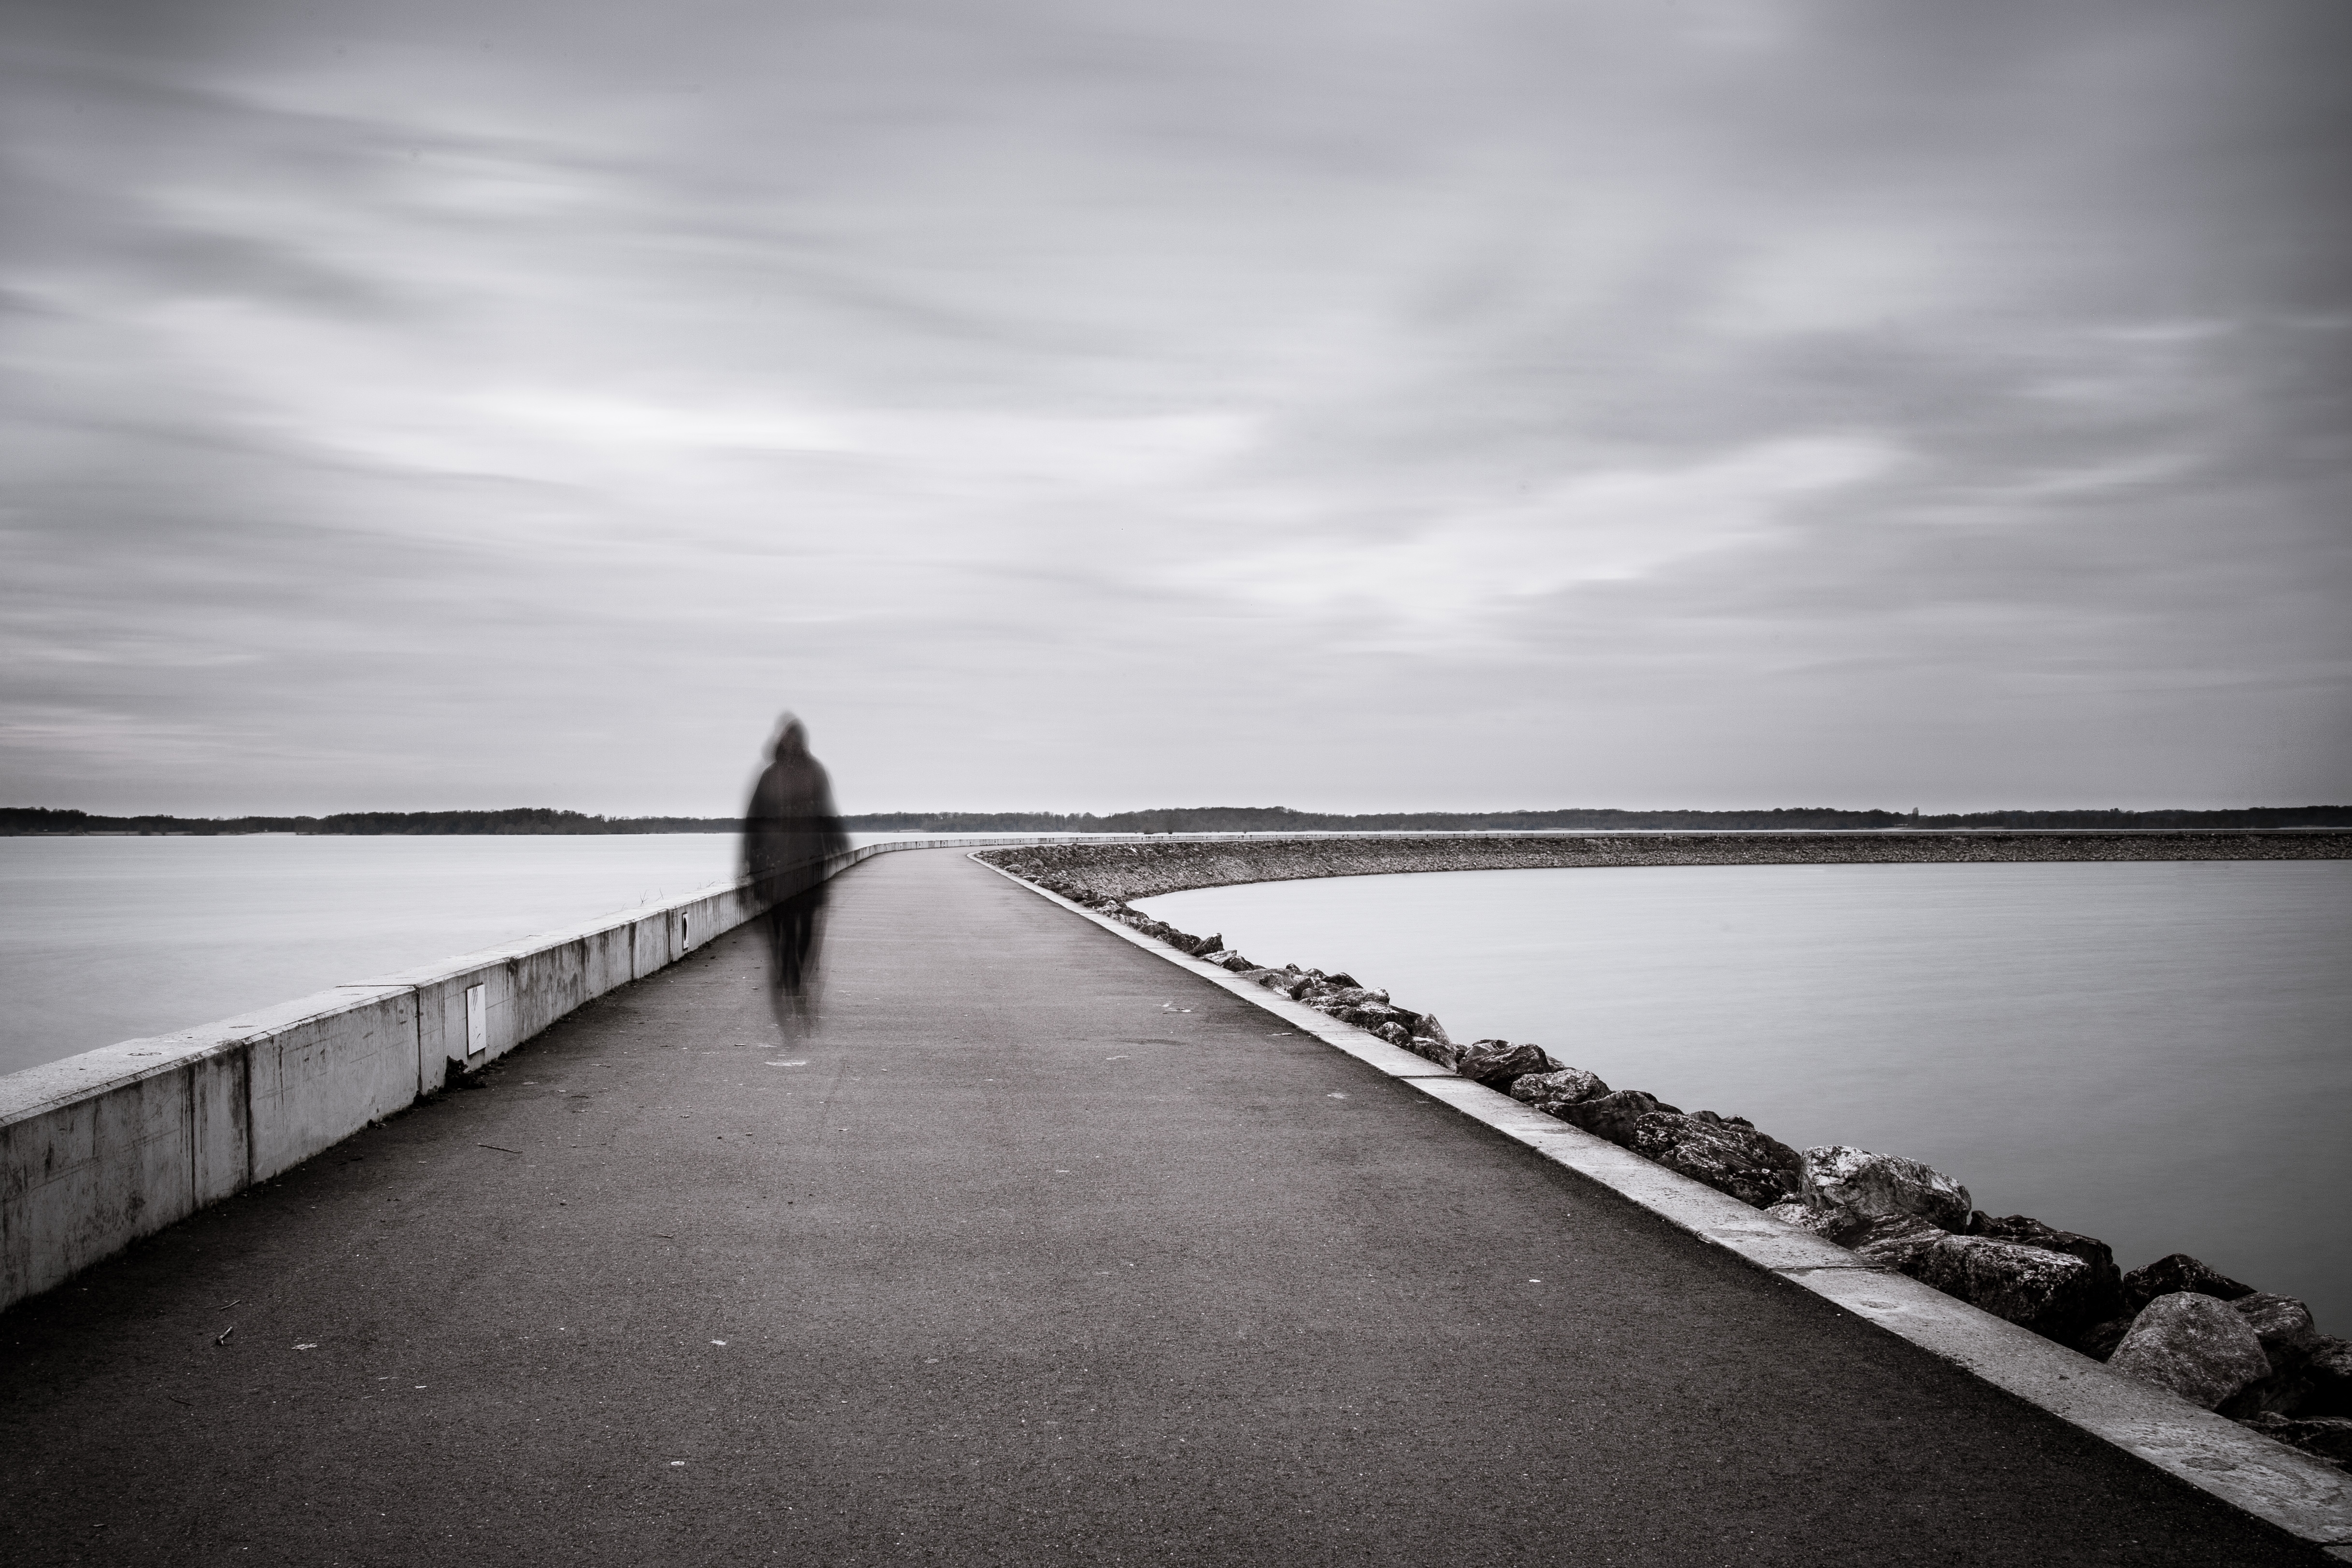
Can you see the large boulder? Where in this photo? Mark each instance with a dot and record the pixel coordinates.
(1497, 1062)
(1548, 1090)
(1836, 1176)
(1819, 1221)
(2288, 1337)
(1610, 1115)
(2284, 1325)
(2330, 1368)
(1730, 1157)
(2106, 1282)
(1898, 1241)
(1443, 1052)
(2194, 1346)
(2328, 1437)
(2099, 1339)
(2176, 1272)
(2048, 1291)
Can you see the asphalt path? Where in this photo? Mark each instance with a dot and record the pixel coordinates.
(1032, 1250)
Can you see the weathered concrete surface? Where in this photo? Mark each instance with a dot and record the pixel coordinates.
(1029, 1263)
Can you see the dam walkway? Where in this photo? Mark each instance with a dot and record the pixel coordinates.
(1032, 1249)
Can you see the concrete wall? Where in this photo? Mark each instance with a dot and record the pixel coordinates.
(102, 1148)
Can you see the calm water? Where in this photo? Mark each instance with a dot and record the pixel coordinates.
(104, 939)
(2157, 1054)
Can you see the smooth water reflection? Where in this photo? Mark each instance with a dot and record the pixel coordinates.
(2159, 1054)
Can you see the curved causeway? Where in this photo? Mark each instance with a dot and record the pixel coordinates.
(1037, 1250)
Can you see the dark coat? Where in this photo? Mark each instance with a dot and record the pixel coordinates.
(790, 826)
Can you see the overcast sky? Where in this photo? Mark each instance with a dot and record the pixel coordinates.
(1386, 403)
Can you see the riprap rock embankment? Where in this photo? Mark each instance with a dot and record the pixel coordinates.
(1127, 871)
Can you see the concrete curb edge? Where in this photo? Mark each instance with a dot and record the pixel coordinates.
(2256, 1475)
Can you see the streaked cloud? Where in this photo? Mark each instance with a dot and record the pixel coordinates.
(1456, 404)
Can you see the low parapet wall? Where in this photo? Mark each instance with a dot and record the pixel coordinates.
(100, 1149)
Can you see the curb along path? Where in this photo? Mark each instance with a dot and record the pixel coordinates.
(1033, 1250)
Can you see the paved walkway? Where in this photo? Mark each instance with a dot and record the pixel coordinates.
(1047, 1252)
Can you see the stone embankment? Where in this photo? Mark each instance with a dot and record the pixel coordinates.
(1147, 870)
(2177, 1322)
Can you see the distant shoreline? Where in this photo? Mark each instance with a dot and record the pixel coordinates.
(18, 821)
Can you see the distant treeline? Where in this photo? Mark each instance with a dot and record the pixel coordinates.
(22, 820)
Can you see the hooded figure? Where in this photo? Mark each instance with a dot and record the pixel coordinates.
(789, 828)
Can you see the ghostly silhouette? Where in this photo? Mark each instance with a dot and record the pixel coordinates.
(789, 828)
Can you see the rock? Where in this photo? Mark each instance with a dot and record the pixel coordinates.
(1900, 1241)
(1395, 1034)
(1749, 1166)
(1498, 1062)
(1610, 1115)
(2033, 1287)
(1215, 944)
(2288, 1337)
(1836, 1176)
(2329, 1436)
(1430, 1026)
(1344, 980)
(2286, 1391)
(2284, 1325)
(1548, 1090)
(2193, 1344)
(1817, 1221)
(2177, 1272)
(1441, 1051)
(1374, 1015)
(2106, 1280)
(2330, 1368)
(2099, 1341)
(2053, 1294)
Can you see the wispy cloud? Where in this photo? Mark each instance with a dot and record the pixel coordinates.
(1463, 404)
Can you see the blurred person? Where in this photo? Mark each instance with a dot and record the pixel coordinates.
(789, 828)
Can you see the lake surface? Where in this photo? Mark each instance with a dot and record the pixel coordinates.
(2159, 1054)
(110, 938)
